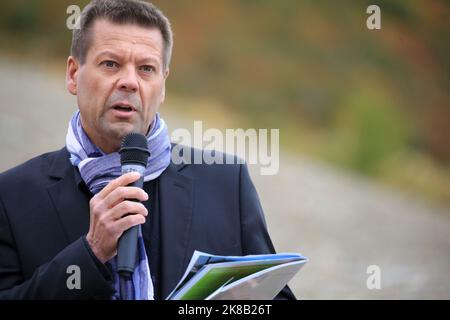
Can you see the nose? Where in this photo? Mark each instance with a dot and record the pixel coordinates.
(128, 80)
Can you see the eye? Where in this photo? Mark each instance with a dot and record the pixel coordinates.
(147, 69)
(110, 64)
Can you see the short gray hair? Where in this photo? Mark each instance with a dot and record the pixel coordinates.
(121, 12)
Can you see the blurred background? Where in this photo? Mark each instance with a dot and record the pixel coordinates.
(364, 119)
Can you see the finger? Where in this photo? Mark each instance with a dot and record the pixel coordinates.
(128, 222)
(121, 181)
(127, 207)
(124, 193)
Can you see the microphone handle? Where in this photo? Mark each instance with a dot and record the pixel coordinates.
(127, 245)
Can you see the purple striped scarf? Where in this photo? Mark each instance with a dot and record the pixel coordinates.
(97, 169)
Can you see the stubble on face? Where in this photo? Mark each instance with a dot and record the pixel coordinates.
(102, 88)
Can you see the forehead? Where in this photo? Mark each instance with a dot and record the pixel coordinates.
(109, 35)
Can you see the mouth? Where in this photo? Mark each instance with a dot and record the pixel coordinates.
(124, 110)
(124, 107)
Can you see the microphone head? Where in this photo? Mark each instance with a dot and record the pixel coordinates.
(134, 149)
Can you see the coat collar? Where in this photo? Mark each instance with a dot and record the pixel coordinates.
(176, 201)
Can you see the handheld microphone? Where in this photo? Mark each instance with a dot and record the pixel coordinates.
(133, 158)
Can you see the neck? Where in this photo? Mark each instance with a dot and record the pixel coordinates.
(108, 145)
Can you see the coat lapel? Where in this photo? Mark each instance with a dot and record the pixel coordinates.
(176, 207)
(70, 203)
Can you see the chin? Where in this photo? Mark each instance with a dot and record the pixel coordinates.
(120, 134)
(119, 131)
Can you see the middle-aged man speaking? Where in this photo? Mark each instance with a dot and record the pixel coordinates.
(70, 207)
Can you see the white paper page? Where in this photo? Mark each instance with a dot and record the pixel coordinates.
(263, 285)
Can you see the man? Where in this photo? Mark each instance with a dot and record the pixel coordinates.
(67, 209)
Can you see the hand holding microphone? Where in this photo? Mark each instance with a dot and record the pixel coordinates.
(113, 211)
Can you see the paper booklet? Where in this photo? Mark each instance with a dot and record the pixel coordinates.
(252, 277)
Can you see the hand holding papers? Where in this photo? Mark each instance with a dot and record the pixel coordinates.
(253, 277)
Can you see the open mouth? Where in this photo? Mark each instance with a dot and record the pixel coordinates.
(123, 108)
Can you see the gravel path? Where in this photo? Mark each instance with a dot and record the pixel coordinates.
(342, 222)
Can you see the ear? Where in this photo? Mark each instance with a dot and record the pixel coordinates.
(166, 73)
(163, 93)
(73, 66)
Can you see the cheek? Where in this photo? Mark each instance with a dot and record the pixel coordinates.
(85, 86)
(152, 102)
(157, 95)
(93, 92)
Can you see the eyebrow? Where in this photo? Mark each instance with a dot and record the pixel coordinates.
(108, 53)
(117, 57)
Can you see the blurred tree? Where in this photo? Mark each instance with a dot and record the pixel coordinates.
(294, 65)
